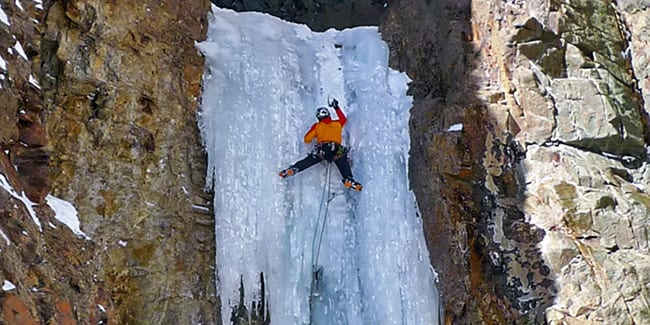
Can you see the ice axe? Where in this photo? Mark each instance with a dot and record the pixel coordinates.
(334, 103)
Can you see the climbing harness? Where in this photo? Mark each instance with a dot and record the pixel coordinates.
(330, 151)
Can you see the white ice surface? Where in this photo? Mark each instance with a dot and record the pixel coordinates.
(264, 78)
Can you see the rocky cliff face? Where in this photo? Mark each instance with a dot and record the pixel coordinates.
(114, 87)
(536, 211)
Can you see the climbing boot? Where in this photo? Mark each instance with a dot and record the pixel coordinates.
(351, 183)
(288, 172)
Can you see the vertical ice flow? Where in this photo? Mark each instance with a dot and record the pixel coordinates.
(264, 77)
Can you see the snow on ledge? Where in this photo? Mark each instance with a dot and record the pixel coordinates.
(66, 213)
(34, 82)
(29, 205)
(2, 234)
(3, 18)
(8, 286)
(19, 48)
(455, 128)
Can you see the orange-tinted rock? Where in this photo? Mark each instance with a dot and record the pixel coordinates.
(64, 315)
(190, 76)
(7, 169)
(31, 131)
(16, 312)
(32, 170)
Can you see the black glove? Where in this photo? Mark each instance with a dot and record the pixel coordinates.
(334, 103)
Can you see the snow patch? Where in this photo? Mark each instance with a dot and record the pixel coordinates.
(8, 286)
(19, 5)
(455, 128)
(3, 64)
(200, 208)
(66, 213)
(34, 82)
(19, 48)
(39, 4)
(3, 17)
(2, 234)
(29, 205)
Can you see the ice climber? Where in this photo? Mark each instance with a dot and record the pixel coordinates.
(328, 146)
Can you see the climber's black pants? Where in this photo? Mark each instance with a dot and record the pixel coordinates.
(329, 151)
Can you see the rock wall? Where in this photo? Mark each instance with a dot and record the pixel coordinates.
(126, 150)
(47, 273)
(537, 210)
(115, 88)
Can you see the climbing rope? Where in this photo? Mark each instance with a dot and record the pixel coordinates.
(322, 211)
(319, 230)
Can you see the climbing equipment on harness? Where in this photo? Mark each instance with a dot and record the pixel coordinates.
(330, 151)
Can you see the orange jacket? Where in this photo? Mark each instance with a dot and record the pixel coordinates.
(327, 130)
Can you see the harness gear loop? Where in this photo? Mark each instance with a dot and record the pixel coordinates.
(330, 151)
